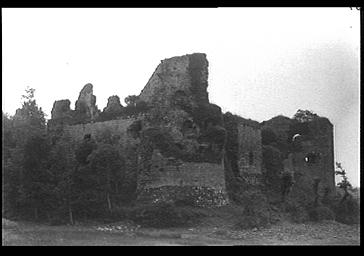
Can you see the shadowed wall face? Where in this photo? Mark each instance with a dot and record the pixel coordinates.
(308, 151)
(316, 159)
(250, 150)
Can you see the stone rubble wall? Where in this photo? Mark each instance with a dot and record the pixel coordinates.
(117, 128)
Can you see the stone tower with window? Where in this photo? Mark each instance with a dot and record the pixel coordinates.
(313, 157)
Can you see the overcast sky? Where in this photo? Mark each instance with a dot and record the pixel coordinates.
(262, 61)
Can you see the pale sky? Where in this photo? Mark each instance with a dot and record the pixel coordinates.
(262, 61)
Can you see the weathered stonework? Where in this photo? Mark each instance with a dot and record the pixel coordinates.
(313, 138)
(186, 74)
(113, 105)
(118, 129)
(250, 149)
(321, 144)
(250, 153)
(61, 108)
(182, 148)
(177, 92)
(173, 172)
(86, 103)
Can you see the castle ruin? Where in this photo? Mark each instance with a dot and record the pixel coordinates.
(183, 144)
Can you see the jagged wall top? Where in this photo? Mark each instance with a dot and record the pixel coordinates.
(86, 102)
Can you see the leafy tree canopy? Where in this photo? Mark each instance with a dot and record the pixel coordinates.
(131, 100)
(304, 116)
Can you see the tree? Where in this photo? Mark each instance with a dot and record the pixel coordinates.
(347, 210)
(11, 167)
(134, 106)
(304, 116)
(131, 100)
(8, 140)
(84, 150)
(26, 163)
(62, 168)
(106, 163)
(344, 183)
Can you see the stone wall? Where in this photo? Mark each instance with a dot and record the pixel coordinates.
(169, 178)
(182, 141)
(172, 74)
(315, 137)
(250, 149)
(171, 172)
(322, 168)
(181, 180)
(186, 74)
(117, 128)
(182, 138)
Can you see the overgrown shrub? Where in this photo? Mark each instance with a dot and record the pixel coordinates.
(297, 211)
(162, 140)
(256, 210)
(135, 109)
(347, 212)
(165, 215)
(84, 149)
(249, 221)
(118, 214)
(321, 213)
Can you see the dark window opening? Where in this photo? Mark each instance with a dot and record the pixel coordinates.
(87, 136)
(251, 158)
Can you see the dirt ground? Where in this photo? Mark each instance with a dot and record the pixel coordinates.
(285, 233)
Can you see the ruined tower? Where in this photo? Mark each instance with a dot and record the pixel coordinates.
(308, 151)
(182, 140)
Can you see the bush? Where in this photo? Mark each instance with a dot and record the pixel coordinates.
(165, 215)
(347, 212)
(163, 141)
(296, 211)
(117, 214)
(321, 213)
(253, 221)
(256, 210)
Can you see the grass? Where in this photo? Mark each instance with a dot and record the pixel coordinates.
(328, 232)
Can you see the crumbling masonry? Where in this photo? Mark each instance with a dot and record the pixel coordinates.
(180, 139)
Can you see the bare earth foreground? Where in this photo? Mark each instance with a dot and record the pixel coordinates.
(325, 233)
